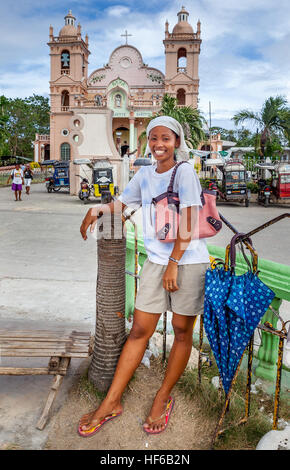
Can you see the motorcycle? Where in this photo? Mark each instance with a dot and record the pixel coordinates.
(85, 191)
(264, 193)
(49, 183)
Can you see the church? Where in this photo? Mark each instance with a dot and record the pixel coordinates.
(93, 115)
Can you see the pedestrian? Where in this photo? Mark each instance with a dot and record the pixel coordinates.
(17, 181)
(172, 278)
(28, 177)
(124, 148)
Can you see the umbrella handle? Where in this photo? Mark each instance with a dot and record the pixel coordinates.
(230, 258)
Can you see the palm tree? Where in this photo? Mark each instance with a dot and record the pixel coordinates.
(190, 119)
(273, 120)
(110, 333)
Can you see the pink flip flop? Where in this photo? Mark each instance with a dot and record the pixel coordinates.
(166, 414)
(94, 429)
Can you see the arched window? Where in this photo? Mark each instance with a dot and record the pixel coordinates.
(181, 60)
(118, 101)
(65, 100)
(65, 151)
(65, 61)
(180, 97)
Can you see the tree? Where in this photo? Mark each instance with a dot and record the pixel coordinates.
(25, 118)
(110, 310)
(190, 119)
(243, 137)
(3, 122)
(273, 121)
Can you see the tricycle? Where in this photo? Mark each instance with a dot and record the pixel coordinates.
(279, 186)
(233, 187)
(102, 186)
(60, 176)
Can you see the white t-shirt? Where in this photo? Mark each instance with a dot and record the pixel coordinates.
(145, 185)
(17, 176)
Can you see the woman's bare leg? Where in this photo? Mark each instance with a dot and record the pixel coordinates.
(177, 361)
(144, 325)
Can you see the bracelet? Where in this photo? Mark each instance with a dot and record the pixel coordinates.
(173, 259)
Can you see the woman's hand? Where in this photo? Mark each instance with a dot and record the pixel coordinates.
(90, 220)
(170, 277)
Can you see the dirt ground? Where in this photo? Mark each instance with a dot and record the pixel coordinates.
(187, 429)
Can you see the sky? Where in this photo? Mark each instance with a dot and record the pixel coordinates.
(244, 52)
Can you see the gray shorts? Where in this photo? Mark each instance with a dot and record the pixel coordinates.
(188, 300)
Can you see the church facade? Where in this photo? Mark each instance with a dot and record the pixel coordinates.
(94, 114)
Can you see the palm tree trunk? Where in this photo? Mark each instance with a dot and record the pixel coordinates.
(110, 333)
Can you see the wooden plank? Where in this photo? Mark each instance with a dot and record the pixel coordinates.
(43, 344)
(32, 345)
(43, 334)
(38, 340)
(25, 371)
(64, 363)
(50, 399)
(41, 353)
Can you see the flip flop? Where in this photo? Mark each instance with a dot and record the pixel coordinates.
(166, 414)
(93, 429)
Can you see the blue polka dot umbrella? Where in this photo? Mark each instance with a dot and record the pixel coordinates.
(233, 307)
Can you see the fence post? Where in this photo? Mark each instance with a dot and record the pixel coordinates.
(268, 350)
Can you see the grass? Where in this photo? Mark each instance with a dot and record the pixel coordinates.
(88, 390)
(235, 437)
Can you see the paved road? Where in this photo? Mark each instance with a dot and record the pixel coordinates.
(52, 271)
(48, 277)
(271, 243)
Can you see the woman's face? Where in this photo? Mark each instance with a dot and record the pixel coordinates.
(162, 143)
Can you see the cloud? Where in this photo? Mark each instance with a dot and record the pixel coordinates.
(244, 51)
(118, 11)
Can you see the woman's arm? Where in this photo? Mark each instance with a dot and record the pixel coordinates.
(186, 230)
(92, 215)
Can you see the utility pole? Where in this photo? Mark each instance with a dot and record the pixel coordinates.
(210, 129)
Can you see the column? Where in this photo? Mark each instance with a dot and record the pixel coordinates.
(135, 137)
(132, 134)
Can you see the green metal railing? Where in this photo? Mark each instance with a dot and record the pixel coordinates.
(274, 275)
(270, 353)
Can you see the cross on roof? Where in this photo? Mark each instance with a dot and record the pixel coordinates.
(126, 35)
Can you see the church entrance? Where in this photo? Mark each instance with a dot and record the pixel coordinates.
(121, 138)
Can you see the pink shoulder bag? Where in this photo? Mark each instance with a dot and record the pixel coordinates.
(167, 213)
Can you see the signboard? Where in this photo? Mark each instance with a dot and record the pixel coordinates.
(143, 113)
(121, 114)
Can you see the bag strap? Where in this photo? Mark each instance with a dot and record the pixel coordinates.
(170, 186)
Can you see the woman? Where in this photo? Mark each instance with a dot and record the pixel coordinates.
(172, 277)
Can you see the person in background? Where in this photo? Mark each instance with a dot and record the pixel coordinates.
(124, 148)
(28, 177)
(17, 181)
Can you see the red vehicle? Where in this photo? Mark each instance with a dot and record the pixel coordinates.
(280, 180)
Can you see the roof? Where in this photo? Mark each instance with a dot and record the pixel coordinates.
(182, 27)
(228, 143)
(68, 30)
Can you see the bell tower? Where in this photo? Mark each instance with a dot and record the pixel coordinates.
(182, 49)
(68, 84)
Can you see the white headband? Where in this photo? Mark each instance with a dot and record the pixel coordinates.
(182, 153)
